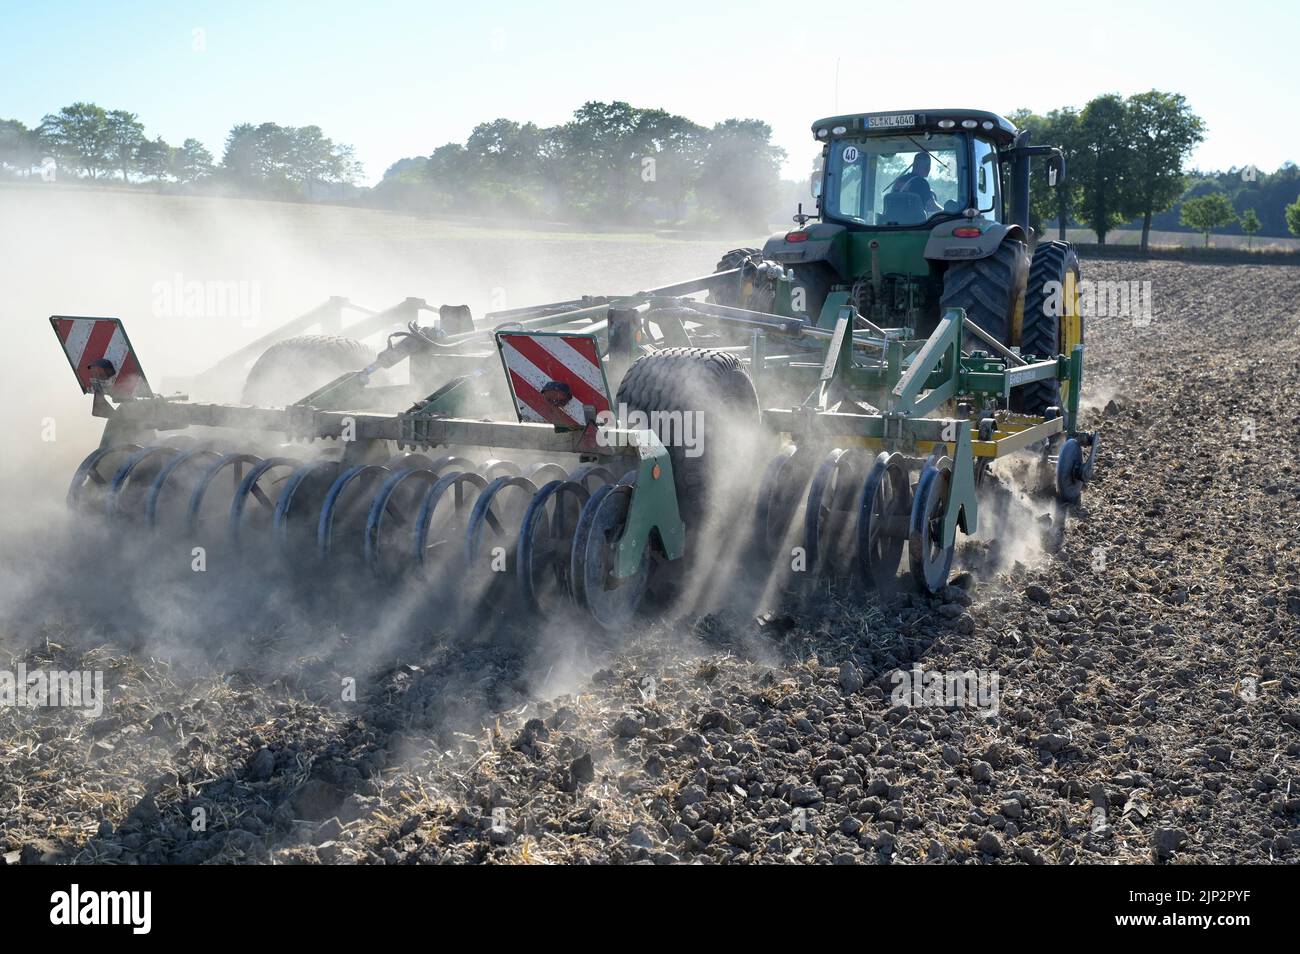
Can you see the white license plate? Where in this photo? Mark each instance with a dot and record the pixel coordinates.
(891, 122)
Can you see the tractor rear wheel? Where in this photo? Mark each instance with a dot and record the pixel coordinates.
(991, 290)
(746, 291)
(1051, 310)
(701, 404)
(291, 369)
(735, 258)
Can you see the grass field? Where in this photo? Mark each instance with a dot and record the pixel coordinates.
(1134, 237)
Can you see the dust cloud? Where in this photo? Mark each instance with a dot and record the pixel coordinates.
(81, 252)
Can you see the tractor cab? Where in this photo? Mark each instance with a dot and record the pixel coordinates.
(903, 174)
(902, 198)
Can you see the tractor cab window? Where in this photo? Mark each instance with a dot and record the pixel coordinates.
(896, 180)
(988, 188)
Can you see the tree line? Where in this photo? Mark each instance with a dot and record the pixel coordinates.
(1125, 161)
(611, 161)
(98, 144)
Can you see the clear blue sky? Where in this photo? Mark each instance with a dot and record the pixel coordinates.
(396, 79)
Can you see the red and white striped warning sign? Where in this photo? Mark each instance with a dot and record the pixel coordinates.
(98, 350)
(552, 376)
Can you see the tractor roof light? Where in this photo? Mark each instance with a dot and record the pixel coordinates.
(987, 124)
(947, 123)
(968, 124)
(822, 133)
(839, 130)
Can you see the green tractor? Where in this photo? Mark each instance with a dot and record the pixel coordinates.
(922, 211)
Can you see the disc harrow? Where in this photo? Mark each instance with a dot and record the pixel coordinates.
(858, 515)
(411, 517)
(432, 485)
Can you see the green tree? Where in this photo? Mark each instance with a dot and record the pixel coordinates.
(1293, 217)
(125, 137)
(1164, 131)
(508, 166)
(1250, 225)
(20, 149)
(241, 160)
(256, 157)
(447, 172)
(1059, 128)
(1103, 165)
(154, 159)
(311, 158)
(1277, 190)
(742, 172)
(599, 152)
(78, 135)
(676, 149)
(1205, 213)
(191, 162)
(284, 159)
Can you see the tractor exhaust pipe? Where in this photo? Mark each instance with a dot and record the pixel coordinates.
(1020, 181)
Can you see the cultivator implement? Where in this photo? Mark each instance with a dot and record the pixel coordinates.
(566, 508)
(855, 486)
(504, 458)
(559, 532)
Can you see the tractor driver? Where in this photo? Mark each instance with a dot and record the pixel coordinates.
(916, 180)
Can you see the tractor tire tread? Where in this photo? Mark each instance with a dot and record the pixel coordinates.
(1041, 332)
(987, 289)
(329, 355)
(691, 380)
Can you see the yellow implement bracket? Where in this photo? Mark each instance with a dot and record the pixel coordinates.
(1014, 436)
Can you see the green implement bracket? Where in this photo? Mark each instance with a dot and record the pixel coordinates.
(838, 363)
(941, 350)
(653, 510)
(962, 508)
(832, 308)
(1076, 387)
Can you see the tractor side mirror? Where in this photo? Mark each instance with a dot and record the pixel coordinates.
(1056, 170)
(815, 185)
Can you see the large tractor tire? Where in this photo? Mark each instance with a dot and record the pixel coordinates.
(812, 283)
(291, 369)
(737, 257)
(992, 290)
(1052, 324)
(748, 292)
(693, 381)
